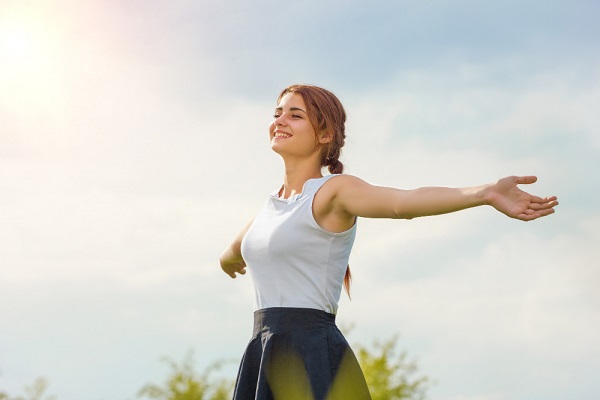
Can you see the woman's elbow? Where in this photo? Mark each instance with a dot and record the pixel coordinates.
(401, 213)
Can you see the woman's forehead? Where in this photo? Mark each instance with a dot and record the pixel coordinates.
(291, 99)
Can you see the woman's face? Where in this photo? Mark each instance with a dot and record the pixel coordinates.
(291, 132)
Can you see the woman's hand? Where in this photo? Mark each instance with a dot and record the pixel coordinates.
(233, 266)
(507, 198)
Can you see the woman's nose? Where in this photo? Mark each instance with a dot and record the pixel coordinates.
(279, 120)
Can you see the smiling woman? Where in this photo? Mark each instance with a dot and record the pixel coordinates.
(298, 246)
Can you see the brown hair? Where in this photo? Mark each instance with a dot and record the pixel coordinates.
(326, 114)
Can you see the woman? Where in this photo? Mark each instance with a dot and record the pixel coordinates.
(298, 246)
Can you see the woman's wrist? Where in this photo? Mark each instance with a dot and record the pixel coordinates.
(486, 194)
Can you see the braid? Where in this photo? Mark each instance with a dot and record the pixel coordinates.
(332, 154)
(335, 166)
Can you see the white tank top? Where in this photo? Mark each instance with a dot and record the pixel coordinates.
(294, 262)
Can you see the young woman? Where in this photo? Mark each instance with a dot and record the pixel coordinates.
(298, 246)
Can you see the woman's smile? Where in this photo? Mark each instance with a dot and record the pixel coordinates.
(279, 134)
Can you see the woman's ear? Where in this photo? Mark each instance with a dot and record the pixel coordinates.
(325, 137)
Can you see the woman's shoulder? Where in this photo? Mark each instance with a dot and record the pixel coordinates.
(332, 180)
(330, 185)
(326, 211)
(340, 180)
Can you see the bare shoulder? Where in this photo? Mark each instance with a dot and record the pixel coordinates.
(349, 196)
(337, 185)
(328, 196)
(343, 181)
(326, 210)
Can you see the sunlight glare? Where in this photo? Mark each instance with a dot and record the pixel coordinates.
(16, 44)
(30, 70)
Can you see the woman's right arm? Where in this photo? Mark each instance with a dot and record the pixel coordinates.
(231, 260)
(354, 197)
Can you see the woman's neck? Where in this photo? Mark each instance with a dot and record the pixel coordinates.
(296, 175)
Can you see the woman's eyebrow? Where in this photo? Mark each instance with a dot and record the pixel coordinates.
(292, 109)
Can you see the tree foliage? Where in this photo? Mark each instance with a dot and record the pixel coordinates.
(388, 373)
(184, 383)
(35, 391)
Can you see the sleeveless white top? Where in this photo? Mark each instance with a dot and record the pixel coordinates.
(294, 262)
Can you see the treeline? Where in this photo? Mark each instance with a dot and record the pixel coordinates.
(389, 374)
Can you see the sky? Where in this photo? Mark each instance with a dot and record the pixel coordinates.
(134, 147)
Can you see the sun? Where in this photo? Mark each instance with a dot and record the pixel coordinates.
(28, 36)
(16, 43)
(31, 74)
(18, 39)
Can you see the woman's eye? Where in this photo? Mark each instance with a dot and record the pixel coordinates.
(293, 116)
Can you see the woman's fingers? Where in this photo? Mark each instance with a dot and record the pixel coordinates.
(233, 269)
(525, 180)
(240, 269)
(543, 205)
(530, 214)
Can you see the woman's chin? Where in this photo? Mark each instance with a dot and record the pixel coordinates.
(276, 147)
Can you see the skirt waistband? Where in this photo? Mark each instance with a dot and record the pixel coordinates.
(286, 319)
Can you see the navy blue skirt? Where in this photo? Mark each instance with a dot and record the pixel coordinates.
(298, 353)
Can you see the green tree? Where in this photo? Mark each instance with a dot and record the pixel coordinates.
(35, 391)
(184, 383)
(388, 373)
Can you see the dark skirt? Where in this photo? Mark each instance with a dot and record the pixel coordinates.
(299, 354)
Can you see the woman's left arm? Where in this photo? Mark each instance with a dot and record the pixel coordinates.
(356, 197)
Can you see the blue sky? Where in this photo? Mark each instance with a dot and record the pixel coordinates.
(134, 147)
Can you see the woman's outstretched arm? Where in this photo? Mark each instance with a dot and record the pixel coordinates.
(231, 260)
(358, 198)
